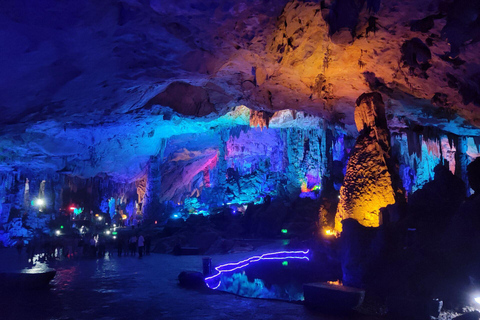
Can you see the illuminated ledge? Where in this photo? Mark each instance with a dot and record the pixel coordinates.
(213, 282)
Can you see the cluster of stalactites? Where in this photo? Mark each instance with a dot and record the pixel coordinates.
(420, 149)
(260, 118)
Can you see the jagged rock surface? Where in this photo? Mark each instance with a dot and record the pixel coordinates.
(367, 186)
(81, 81)
(91, 91)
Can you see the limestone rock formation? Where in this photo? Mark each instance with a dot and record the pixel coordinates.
(367, 186)
(97, 82)
(151, 204)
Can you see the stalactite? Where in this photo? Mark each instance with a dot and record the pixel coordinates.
(58, 189)
(141, 186)
(26, 194)
(437, 147)
(285, 160)
(477, 142)
(222, 151)
(414, 144)
(237, 130)
(260, 118)
(41, 189)
(462, 160)
(448, 153)
(327, 144)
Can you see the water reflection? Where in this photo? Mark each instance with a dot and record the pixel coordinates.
(37, 268)
(64, 278)
(130, 288)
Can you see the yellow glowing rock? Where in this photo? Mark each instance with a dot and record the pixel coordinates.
(259, 118)
(367, 186)
(141, 185)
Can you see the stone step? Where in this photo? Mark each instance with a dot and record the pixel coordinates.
(333, 298)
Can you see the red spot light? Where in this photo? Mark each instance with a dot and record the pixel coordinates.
(155, 221)
(72, 208)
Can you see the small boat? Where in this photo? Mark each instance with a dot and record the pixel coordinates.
(332, 297)
(26, 280)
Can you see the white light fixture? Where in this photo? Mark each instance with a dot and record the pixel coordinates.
(477, 300)
(100, 218)
(57, 232)
(107, 232)
(39, 202)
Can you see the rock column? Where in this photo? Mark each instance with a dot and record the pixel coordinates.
(367, 186)
(151, 200)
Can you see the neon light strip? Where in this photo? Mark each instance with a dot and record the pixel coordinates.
(219, 283)
(280, 255)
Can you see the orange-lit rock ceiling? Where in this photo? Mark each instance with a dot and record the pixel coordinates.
(83, 83)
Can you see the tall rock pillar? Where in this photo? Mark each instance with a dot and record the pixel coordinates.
(151, 200)
(367, 186)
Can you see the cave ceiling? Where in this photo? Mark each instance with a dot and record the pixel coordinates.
(91, 87)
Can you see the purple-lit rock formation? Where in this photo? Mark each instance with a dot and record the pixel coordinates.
(91, 92)
(214, 126)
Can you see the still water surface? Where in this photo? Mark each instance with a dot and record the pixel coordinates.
(133, 288)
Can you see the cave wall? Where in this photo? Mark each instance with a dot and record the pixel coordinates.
(21, 215)
(237, 159)
(244, 164)
(95, 98)
(419, 152)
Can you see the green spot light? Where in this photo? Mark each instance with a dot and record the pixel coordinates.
(284, 231)
(114, 233)
(284, 263)
(61, 227)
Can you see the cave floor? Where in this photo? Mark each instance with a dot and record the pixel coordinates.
(133, 288)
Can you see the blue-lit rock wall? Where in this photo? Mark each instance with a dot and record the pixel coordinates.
(418, 154)
(242, 165)
(204, 165)
(21, 213)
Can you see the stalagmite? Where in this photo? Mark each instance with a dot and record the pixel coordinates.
(141, 186)
(462, 161)
(367, 186)
(151, 200)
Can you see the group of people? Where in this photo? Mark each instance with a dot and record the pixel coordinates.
(95, 246)
(136, 244)
(46, 248)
